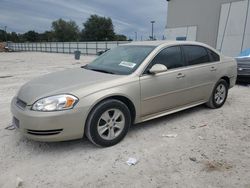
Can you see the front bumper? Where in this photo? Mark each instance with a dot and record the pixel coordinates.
(244, 72)
(49, 126)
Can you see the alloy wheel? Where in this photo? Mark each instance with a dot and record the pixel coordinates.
(220, 94)
(110, 124)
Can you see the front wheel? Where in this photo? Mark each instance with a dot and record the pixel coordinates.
(219, 95)
(108, 123)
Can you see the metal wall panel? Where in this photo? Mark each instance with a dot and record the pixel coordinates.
(235, 29)
(246, 42)
(189, 32)
(225, 8)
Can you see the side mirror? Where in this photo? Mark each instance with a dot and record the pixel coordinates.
(101, 52)
(158, 68)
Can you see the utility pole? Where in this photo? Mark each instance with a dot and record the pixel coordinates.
(152, 36)
(135, 36)
(5, 28)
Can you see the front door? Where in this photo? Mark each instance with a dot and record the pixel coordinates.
(164, 91)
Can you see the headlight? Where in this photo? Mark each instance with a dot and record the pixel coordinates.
(240, 69)
(55, 103)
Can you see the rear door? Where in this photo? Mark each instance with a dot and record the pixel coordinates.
(202, 65)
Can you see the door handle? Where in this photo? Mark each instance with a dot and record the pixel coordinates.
(213, 68)
(180, 75)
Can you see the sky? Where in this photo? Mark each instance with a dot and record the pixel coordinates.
(128, 16)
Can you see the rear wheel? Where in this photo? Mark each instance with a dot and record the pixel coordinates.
(108, 123)
(219, 95)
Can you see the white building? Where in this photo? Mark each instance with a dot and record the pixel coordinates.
(223, 24)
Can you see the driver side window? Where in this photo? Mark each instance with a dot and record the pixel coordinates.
(171, 57)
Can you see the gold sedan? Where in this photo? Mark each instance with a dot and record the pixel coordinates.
(132, 83)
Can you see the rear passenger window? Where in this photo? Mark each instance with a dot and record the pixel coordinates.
(196, 55)
(213, 56)
(171, 57)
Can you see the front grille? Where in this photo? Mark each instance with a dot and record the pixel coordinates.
(44, 132)
(21, 103)
(244, 71)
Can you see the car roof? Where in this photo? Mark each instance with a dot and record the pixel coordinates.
(164, 42)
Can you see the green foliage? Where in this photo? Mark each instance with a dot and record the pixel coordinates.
(120, 37)
(31, 36)
(2, 35)
(98, 28)
(65, 31)
(13, 37)
(47, 36)
(8, 36)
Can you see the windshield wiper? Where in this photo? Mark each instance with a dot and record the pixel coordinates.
(98, 70)
(103, 71)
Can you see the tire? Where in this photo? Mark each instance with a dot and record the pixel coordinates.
(219, 95)
(103, 122)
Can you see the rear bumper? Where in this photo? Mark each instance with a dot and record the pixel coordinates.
(49, 126)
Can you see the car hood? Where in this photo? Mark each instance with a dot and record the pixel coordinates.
(62, 82)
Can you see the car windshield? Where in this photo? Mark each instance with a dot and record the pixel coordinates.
(121, 60)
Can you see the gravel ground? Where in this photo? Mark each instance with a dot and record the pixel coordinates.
(212, 147)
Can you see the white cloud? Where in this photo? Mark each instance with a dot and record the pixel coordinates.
(128, 16)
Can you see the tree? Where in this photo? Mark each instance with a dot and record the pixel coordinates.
(120, 37)
(31, 36)
(47, 36)
(65, 31)
(98, 28)
(13, 37)
(2, 35)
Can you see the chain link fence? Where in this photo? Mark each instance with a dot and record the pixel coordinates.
(86, 48)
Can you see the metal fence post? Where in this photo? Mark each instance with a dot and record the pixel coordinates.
(50, 47)
(87, 48)
(106, 45)
(69, 48)
(56, 47)
(96, 47)
(77, 45)
(63, 46)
